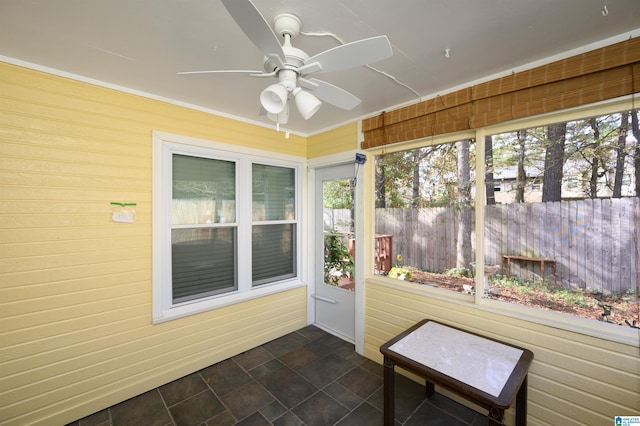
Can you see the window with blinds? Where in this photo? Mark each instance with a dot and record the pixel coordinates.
(226, 225)
(273, 233)
(204, 232)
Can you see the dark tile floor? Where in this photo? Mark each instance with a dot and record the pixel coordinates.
(308, 377)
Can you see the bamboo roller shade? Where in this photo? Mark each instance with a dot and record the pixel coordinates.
(601, 74)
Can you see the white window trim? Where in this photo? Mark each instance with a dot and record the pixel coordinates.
(162, 306)
(602, 330)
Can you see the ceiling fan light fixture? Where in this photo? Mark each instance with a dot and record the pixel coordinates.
(307, 103)
(282, 117)
(274, 98)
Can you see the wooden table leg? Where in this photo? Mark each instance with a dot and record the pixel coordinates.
(521, 404)
(495, 417)
(389, 392)
(430, 388)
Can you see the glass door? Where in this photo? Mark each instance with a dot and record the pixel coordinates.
(333, 295)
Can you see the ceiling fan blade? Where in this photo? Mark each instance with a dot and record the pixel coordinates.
(257, 29)
(350, 55)
(330, 94)
(208, 74)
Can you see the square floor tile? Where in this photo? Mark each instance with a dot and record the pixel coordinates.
(284, 344)
(287, 386)
(326, 370)
(312, 332)
(361, 382)
(289, 419)
(247, 400)
(266, 368)
(225, 377)
(363, 415)
(320, 410)
(273, 411)
(254, 420)
(343, 395)
(428, 415)
(183, 388)
(145, 409)
(197, 409)
(298, 358)
(253, 358)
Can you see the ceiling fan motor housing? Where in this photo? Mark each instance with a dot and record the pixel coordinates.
(287, 26)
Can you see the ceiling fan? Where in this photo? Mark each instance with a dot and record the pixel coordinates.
(292, 66)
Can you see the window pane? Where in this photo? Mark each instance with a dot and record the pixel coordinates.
(203, 190)
(425, 214)
(564, 225)
(203, 262)
(273, 193)
(273, 252)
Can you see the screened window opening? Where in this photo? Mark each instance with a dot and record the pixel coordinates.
(425, 203)
(566, 235)
(560, 216)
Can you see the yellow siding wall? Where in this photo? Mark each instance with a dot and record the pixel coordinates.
(75, 288)
(574, 380)
(341, 139)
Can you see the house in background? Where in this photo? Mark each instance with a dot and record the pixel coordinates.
(86, 322)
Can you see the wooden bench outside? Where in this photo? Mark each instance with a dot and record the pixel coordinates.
(540, 260)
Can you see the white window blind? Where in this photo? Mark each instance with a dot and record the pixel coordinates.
(274, 228)
(203, 235)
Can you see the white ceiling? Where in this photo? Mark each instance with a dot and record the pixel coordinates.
(141, 45)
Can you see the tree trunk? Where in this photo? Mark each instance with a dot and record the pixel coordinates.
(521, 179)
(553, 162)
(489, 183)
(636, 161)
(418, 155)
(381, 200)
(595, 161)
(463, 242)
(620, 155)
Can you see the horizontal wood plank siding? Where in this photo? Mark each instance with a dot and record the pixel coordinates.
(75, 287)
(341, 139)
(574, 379)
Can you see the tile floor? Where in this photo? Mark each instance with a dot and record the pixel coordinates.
(308, 377)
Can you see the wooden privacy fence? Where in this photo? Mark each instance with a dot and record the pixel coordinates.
(595, 243)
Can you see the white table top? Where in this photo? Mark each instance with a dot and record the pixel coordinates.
(482, 363)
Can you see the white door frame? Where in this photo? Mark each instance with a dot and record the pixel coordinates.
(336, 160)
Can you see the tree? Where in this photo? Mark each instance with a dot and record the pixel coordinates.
(393, 179)
(463, 242)
(636, 161)
(553, 162)
(490, 192)
(418, 155)
(595, 163)
(521, 179)
(620, 155)
(381, 193)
